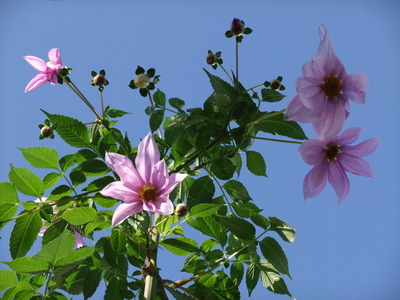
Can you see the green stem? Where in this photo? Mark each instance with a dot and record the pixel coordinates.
(274, 140)
(227, 74)
(254, 87)
(237, 63)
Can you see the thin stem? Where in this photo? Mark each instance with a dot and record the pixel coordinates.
(254, 87)
(227, 74)
(274, 140)
(102, 104)
(154, 107)
(237, 61)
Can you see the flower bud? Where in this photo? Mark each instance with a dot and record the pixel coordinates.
(142, 81)
(237, 27)
(46, 132)
(275, 84)
(211, 59)
(99, 80)
(181, 210)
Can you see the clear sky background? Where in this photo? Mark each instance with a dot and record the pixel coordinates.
(348, 251)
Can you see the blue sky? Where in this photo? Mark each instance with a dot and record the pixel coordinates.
(346, 251)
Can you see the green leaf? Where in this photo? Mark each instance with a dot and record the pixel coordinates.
(204, 210)
(237, 272)
(223, 168)
(80, 215)
(77, 178)
(278, 125)
(99, 183)
(77, 255)
(92, 281)
(273, 252)
(114, 288)
(26, 182)
(260, 220)
(252, 275)
(269, 95)
(236, 190)
(7, 211)
(57, 249)
(239, 227)
(72, 131)
(181, 246)
(209, 226)
(24, 233)
(28, 265)
(41, 157)
(60, 192)
(220, 86)
(272, 280)
(159, 98)
(208, 245)
(255, 163)
(7, 279)
(8, 193)
(51, 179)
(93, 167)
(118, 240)
(116, 113)
(178, 295)
(176, 103)
(245, 209)
(201, 191)
(287, 233)
(156, 119)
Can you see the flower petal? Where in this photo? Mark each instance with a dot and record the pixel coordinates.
(36, 82)
(164, 206)
(54, 56)
(125, 210)
(119, 190)
(148, 155)
(363, 149)
(159, 175)
(36, 63)
(79, 240)
(355, 165)
(354, 87)
(315, 180)
(174, 180)
(338, 179)
(123, 166)
(331, 121)
(348, 136)
(312, 151)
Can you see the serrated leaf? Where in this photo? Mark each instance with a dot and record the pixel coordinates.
(255, 163)
(273, 252)
(75, 256)
(176, 103)
(93, 167)
(252, 275)
(245, 209)
(260, 220)
(269, 95)
(77, 178)
(118, 240)
(156, 119)
(159, 98)
(99, 183)
(178, 295)
(24, 233)
(72, 131)
(287, 233)
(204, 210)
(116, 113)
(51, 179)
(278, 125)
(239, 227)
(41, 157)
(7, 211)
(7, 279)
(28, 265)
(223, 168)
(220, 86)
(237, 272)
(92, 281)
(8, 193)
(272, 280)
(208, 245)
(181, 246)
(209, 226)
(201, 191)
(26, 182)
(236, 190)
(80, 215)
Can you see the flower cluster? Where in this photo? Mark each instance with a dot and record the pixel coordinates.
(322, 98)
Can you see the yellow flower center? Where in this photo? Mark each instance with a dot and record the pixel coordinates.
(50, 63)
(332, 152)
(148, 193)
(332, 87)
(142, 81)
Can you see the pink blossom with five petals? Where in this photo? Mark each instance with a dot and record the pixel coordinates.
(144, 187)
(48, 71)
(331, 158)
(324, 91)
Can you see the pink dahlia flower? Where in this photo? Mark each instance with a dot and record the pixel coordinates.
(48, 71)
(331, 158)
(145, 187)
(78, 237)
(324, 91)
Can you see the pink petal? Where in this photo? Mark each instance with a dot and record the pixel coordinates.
(55, 57)
(174, 180)
(79, 240)
(119, 190)
(312, 151)
(315, 180)
(149, 206)
(159, 175)
(36, 82)
(296, 111)
(338, 179)
(355, 165)
(53, 77)
(148, 155)
(348, 136)
(363, 149)
(123, 166)
(331, 121)
(124, 211)
(163, 206)
(354, 87)
(36, 63)
(311, 93)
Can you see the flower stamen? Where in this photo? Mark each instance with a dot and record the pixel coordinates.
(332, 87)
(332, 152)
(148, 193)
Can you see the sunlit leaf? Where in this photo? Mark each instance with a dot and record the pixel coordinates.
(26, 182)
(241, 228)
(41, 157)
(80, 215)
(273, 252)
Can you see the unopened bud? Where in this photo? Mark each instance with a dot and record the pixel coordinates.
(211, 59)
(99, 80)
(46, 132)
(275, 84)
(181, 210)
(142, 81)
(237, 27)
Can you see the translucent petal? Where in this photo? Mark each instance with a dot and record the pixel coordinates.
(338, 179)
(312, 151)
(119, 190)
(354, 86)
(124, 211)
(123, 166)
(348, 136)
(36, 63)
(315, 180)
(330, 122)
(164, 206)
(148, 155)
(174, 180)
(36, 82)
(355, 165)
(363, 149)
(55, 57)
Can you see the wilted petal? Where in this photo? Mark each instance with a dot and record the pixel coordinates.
(123, 166)
(354, 87)
(164, 206)
(363, 149)
(355, 165)
(312, 151)
(54, 56)
(36, 63)
(36, 82)
(315, 180)
(125, 210)
(338, 179)
(148, 155)
(119, 190)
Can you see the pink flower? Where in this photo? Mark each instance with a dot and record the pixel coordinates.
(145, 187)
(324, 91)
(78, 237)
(48, 71)
(331, 158)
